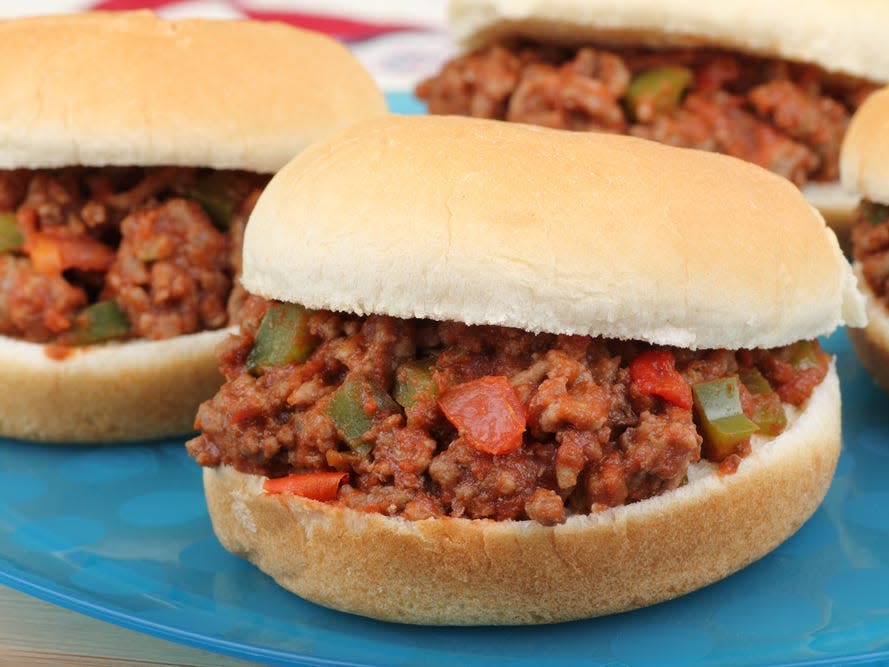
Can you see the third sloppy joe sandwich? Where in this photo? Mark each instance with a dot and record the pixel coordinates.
(772, 83)
(132, 149)
(522, 375)
(865, 171)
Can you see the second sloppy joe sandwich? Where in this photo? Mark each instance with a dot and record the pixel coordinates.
(522, 375)
(771, 83)
(131, 152)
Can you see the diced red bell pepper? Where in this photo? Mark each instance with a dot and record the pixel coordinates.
(654, 373)
(314, 485)
(487, 413)
(52, 255)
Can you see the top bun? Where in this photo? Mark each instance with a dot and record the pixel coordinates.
(132, 89)
(845, 37)
(484, 222)
(864, 158)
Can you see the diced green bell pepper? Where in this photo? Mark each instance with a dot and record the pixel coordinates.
(876, 214)
(723, 425)
(412, 380)
(657, 90)
(804, 355)
(213, 193)
(754, 381)
(96, 323)
(10, 237)
(283, 338)
(347, 410)
(768, 412)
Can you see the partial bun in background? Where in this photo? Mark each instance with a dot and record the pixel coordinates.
(735, 77)
(864, 160)
(871, 344)
(107, 393)
(864, 164)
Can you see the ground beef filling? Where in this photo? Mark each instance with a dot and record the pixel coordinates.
(497, 423)
(870, 247)
(786, 117)
(160, 245)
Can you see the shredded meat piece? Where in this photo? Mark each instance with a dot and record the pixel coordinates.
(13, 184)
(815, 121)
(170, 273)
(476, 85)
(580, 95)
(34, 306)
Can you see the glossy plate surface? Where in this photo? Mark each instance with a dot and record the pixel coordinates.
(122, 534)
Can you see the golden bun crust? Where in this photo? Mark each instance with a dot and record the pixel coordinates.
(871, 344)
(133, 89)
(468, 572)
(864, 156)
(484, 222)
(844, 37)
(107, 393)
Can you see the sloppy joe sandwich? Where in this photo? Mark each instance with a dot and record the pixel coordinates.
(771, 83)
(522, 375)
(132, 150)
(864, 165)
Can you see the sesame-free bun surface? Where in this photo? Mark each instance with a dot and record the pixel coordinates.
(864, 156)
(843, 37)
(484, 222)
(467, 572)
(106, 393)
(133, 89)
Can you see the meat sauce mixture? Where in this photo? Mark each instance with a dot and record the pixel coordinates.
(786, 117)
(418, 418)
(93, 254)
(870, 247)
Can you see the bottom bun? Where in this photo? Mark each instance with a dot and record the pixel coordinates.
(871, 344)
(837, 207)
(107, 393)
(470, 572)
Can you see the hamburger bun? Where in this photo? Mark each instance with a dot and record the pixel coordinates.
(865, 172)
(467, 244)
(482, 222)
(844, 39)
(131, 89)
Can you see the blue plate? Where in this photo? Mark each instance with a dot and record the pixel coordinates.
(122, 534)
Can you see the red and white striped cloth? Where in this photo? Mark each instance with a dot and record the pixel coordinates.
(399, 41)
